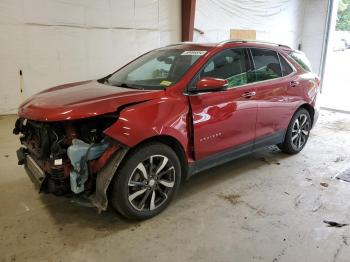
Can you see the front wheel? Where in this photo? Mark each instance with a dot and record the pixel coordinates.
(146, 182)
(297, 133)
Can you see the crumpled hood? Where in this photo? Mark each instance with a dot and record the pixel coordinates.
(81, 100)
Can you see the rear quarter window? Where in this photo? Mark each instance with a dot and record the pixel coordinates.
(266, 63)
(286, 68)
(302, 60)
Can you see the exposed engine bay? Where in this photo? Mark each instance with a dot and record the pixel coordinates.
(65, 157)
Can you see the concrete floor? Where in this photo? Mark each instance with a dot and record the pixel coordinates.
(264, 207)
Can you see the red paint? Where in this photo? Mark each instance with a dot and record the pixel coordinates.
(97, 164)
(221, 119)
(166, 116)
(80, 100)
(211, 83)
(71, 133)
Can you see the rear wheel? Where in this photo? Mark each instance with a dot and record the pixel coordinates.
(297, 133)
(146, 182)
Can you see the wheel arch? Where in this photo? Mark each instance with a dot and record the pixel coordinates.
(174, 144)
(121, 155)
(310, 109)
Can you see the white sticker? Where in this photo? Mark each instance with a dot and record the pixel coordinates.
(58, 162)
(194, 52)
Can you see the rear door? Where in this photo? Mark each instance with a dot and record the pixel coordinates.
(271, 78)
(225, 120)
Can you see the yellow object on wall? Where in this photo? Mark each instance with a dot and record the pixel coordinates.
(243, 34)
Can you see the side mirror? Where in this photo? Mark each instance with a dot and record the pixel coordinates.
(210, 84)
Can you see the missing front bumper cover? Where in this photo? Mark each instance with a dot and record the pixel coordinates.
(104, 177)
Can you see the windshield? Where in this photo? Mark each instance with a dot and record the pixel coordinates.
(156, 70)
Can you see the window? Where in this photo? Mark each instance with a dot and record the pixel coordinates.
(266, 63)
(157, 69)
(230, 65)
(286, 68)
(302, 60)
(153, 69)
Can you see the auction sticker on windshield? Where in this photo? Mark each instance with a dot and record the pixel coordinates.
(194, 53)
(165, 83)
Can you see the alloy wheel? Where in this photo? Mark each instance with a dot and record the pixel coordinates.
(300, 131)
(151, 182)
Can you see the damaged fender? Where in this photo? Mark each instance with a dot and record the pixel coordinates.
(162, 117)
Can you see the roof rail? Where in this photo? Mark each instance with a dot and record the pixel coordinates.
(181, 43)
(252, 41)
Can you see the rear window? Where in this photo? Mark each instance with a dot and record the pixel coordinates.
(266, 63)
(302, 60)
(286, 68)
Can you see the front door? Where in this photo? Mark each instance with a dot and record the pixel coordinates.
(225, 120)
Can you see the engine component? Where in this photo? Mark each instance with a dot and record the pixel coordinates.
(79, 153)
(58, 187)
(48, 142)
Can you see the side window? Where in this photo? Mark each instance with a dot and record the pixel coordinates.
(230, 64)
(302, 60)
(286, 68)
(266, 63)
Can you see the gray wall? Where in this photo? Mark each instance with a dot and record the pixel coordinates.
(290, 22)
(278, 21)
(314, 30)
(56, 42)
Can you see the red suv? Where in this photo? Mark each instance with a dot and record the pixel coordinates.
(130, 138)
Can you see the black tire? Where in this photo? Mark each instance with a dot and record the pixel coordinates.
(130, 181)
(295, 140)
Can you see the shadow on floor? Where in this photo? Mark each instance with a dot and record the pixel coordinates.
(59, 221)
(66, 212)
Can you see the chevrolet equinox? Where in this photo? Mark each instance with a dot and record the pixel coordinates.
(129, 138)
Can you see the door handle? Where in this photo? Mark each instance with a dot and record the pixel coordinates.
(248, 94)
(294, 83)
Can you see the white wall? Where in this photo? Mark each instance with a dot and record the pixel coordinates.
(60, 41)
(313, 31)
(290, 22)
(274, 20)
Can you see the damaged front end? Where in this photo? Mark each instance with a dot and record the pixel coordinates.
(71, 158)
